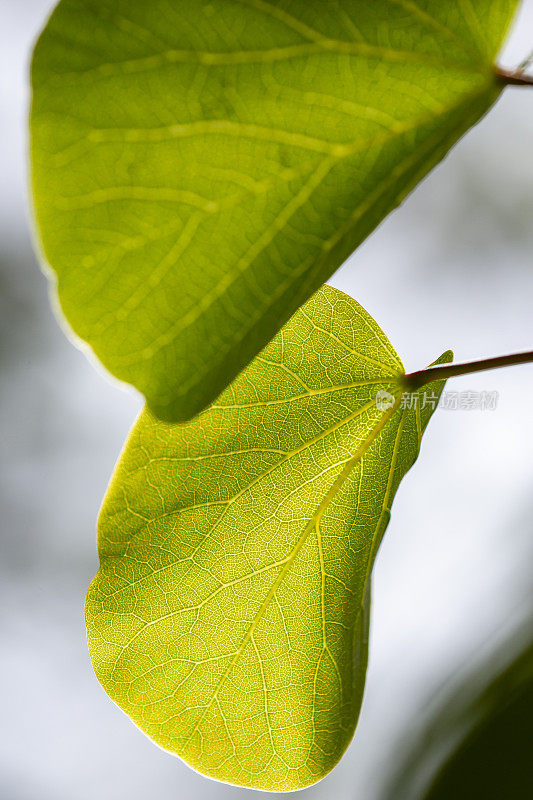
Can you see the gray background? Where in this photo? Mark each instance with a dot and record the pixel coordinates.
(451, 268)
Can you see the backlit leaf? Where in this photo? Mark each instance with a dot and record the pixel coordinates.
(200, 167)
(229, 617)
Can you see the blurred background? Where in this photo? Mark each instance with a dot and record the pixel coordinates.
(451, 268)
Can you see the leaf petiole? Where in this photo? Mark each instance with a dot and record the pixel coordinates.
(415, 380)
(517, 77)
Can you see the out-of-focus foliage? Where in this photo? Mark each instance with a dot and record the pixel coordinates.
(479, 745)
(201, 167)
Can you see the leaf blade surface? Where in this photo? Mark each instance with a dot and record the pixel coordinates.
(199, 169)
(229, 617)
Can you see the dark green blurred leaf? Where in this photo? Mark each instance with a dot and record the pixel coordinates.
(479, 745)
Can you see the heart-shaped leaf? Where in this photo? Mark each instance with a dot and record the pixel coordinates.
(200, 167)
(229, 617)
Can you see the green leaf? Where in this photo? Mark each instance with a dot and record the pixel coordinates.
(229, 617)
(477, 744)
(201, 167)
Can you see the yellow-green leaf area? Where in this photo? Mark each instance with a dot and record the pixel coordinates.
(201, 167)
(229, 618)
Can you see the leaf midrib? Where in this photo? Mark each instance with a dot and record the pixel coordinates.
(261, 311)
(227, 504)
(345, 473)
(285, 562)
(189, 318)
(287, 457)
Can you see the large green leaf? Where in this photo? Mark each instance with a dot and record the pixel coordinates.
(229, 617)
(200, 167)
